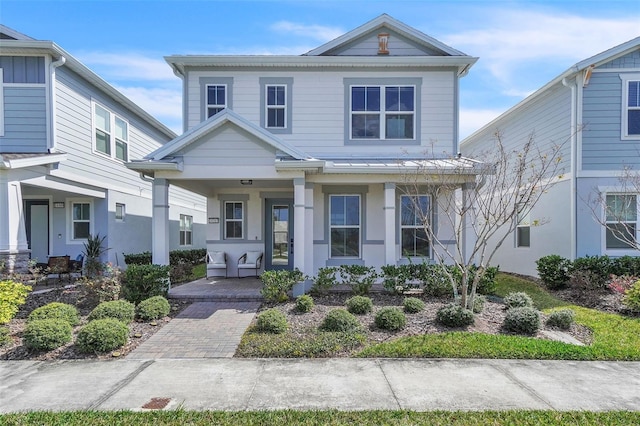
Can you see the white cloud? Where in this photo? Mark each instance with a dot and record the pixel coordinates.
(473, 119)
(128, 66)
(163, 104)
(316, 32)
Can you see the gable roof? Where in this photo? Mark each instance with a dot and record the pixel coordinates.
(215, 122)
(385, 20)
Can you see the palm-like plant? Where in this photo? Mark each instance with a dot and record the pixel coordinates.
(93, 249)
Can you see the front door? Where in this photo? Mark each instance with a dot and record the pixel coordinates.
(37, 228)
(279, 234)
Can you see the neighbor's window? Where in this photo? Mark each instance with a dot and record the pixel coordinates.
(80, 220)
(111, 134)
(233, 220)
(633, 109)
(621, 221)
(102, 122)
(186, 230)
(523, 227)
(276, 106)
(344, 225)
(382, 112)
(216, 98)
(122, 139)
(120, 211)
(414, 212)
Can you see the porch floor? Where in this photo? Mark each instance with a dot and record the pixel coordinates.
(219, 290)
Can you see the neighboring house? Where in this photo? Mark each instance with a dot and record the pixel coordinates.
(300, 156)
(595, 107)
(65, 136)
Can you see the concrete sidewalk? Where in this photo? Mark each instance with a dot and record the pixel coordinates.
(343, 384)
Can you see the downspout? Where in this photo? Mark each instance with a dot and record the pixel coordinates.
(574, 165)
(52, 93)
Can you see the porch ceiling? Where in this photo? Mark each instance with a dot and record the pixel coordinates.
(211, 186)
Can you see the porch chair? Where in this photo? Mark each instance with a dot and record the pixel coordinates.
(250, 260)
(216, 260)
(76, 265)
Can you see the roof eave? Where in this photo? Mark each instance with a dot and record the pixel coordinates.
(19, 163)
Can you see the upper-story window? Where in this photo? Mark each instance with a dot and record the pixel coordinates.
(633, 108)
(111, 134)
(276, 106)
(216, 98)
(382, 112)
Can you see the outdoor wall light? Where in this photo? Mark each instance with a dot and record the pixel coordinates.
(246, 182)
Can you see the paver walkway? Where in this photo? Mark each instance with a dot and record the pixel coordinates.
(202, 330)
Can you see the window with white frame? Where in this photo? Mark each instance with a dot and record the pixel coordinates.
(415, 210)
(621, 221)
(632, 113)
(120, 211)
(382, 112)
(344, 225)
(216, 98)
(523, 227)
(111, 134)
(233, 220)
(80, 220)
(186, 230)
(276, 106)
(1, 103)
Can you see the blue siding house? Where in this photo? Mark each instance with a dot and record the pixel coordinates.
(593, 110)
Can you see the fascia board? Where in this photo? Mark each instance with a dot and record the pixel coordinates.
(19, 163)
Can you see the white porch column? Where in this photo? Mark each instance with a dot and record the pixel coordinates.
(160, 222)
(14, 249)
(390, 223)
(308, 229)
(299, 224)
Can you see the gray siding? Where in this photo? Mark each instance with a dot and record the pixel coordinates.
(23, 69)
(368, 46)
(25, 121)
(631, 60)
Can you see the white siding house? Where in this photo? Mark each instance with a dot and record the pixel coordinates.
(300, 157)
(594, 109)
(65, 136)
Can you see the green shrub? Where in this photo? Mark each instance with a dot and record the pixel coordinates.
(144, 258)
(522, 320)
(436, 281)
(413, 305)
(390, 318)
(518, 300)
(561, 319)
(454, 315)
(153, 308)
(553, 271)
(324, 281)
(56, 310)
(590, 272)
(180, 272)
(192, 257)
(304, 303)
(478, 303)
(340, 320)
(486, 285)
(626, 265)
(277, 284)
(393, 277)
(12, 295)
(5, 336)
(271, 321)
(120, 310)
(360, 278)
(144, 281)
(46, 334)
(359, 305)
(102, 288)
(102, 335)
(631, 297)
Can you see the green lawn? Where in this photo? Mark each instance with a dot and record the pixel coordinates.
(331, 417)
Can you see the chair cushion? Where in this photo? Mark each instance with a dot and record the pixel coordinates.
(252, 257)
(217, 257)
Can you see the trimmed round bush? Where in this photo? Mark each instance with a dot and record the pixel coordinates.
(153, 308)
(46, 334)
(523, 320)
(340, 320)
(272, 321)
(359, 305)
(102, 335)
(117, 309)
(518, 300)
(390, 318)
(478, 303)
(454, 315)
(561, 319)
(304, 303)
(56, 310)
(413, 305)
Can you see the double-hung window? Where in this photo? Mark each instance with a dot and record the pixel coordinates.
(414, 215)
(216, 98)
(621, 221)
(344, 225)
(523, 227)
(276, 106)
(233, 220)
(122, 139)
(102, 122)
(186, 230)
(383, 112)
(80, 220)
(632, 127)
(111, 134)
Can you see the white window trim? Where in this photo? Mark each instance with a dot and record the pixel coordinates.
(267, 107)
(112, 134)
(69, 213)
(430, 217)
(603, 238)
(190, 231)
(208, 105)
(124, 212)
(359, 226)
(241, 220)
(524, 222)
(383, 112)
(624, 128)
(1, 102)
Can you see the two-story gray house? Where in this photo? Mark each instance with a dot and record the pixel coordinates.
(304, 157)
(65, 136)
(592, 110)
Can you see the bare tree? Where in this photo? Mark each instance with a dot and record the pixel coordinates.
(481, 199)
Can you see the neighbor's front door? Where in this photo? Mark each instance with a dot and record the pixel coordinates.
(37, 228)
(279, 234)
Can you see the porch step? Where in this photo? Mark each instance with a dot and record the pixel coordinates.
(217, 298)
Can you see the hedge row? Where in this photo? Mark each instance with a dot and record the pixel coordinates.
(193, 257)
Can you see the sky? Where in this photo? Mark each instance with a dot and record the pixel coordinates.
(521, 45)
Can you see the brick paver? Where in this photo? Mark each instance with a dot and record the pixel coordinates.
(202, 330)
